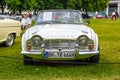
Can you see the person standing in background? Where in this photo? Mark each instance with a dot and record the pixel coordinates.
(113, 16)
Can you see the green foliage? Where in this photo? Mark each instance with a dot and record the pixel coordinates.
(93, 5)
(2, 5)
(20, 5)
(98, 4)
(37, 5)
(13, 4)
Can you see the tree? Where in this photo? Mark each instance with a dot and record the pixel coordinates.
(37, 5)
(92, 5)
(2, 5)
(97, 5)
(20, 5)
(13, 5)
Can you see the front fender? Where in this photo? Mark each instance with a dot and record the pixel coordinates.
(96, 42)
(23, 42)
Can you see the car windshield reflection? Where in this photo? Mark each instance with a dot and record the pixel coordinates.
(65, 17)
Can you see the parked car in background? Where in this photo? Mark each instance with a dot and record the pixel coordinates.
(9, 29)
(4, 16)
(91, 14)
(34, 17)
(60, 35)
(85, 16)
(101, 14)
(17, 17)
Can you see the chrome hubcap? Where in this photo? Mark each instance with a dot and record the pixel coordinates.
(10, 39)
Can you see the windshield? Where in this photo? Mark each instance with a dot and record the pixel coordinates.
(72, 17)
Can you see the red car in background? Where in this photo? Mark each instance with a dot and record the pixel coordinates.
(100, 15)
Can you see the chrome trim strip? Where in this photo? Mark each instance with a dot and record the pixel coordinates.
(33, 53)
(86, 53)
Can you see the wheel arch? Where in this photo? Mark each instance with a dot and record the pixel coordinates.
(14, 33)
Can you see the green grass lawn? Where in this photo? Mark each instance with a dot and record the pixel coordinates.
(109, 40)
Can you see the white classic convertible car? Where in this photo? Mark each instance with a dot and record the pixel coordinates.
(60, 35)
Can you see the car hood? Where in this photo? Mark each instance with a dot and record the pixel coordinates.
(59, 31)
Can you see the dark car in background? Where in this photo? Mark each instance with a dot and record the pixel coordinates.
(84, 15)
(95, 15)
(91, 14)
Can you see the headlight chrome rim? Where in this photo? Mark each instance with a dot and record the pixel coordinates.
(85, 43)
(83, 40)
(35, 43)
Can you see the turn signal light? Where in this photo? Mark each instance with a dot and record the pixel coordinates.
(29, 47)
(91, 47)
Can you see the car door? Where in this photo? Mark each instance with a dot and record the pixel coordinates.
(2, 29)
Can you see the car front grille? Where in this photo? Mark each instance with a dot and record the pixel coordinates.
(59, 44)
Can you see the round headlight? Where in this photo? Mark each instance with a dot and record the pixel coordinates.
(83, 40)
(36, 42)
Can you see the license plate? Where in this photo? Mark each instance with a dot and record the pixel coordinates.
(59, 55)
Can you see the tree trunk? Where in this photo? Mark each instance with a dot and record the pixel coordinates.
(64, 4)
(2, 10)
(20, 11)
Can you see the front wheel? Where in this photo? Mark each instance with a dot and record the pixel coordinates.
(94, 59)
(27, 60)
(10, 40)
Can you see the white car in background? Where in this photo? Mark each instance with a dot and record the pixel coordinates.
(9, 29)
(60, 35)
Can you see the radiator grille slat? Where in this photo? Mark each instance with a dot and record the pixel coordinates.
(57, 44)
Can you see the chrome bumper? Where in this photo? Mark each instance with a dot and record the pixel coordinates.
(33, 53)
(83, 55)
(79, 55)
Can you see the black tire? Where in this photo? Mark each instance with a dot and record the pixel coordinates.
(10, 40)
(27, 60)
(95, 59)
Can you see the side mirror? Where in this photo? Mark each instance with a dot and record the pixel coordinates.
(87, 21)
